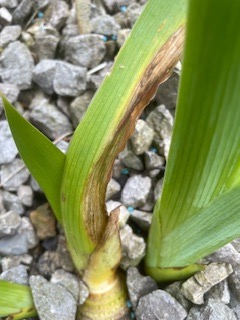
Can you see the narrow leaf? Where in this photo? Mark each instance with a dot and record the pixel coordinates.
(204, 159)
(146, 59)
(44, 160)
(16, 301)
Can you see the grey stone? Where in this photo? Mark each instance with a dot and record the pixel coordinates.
(131, 160)
(2, 209)
(10, 4)
(105, 25)
(47, 118)
(8, 149)
(133, 248)
(227, 254)
(220, 292)
(63, 105)
(136, 191)
(67, 280)
(158, 189)
(27, 229)
(234, 283)
(95, 81)
(142, 219)
(23, 11)
(134, 11)
(153, 160)
(16, 274)
(52, 301)
(11, 91)
(9, 34)
(16, 65)
(195, 287)
(213, 310)
(83, 292)
(62, 145)
(14, 261)
(138, 285)
(69, 80)
(25, 194)
(122, 36)
(161, 121)
(236, 244)
(12, 203)
(174, 290)
(159, 305)
(59, 14)
(142, 137)
(167, 92)
(14, 174)
(124, 213)
(113, 187)
(79, 106)
(122, 19)
(85, 50)
(5, 17)
(46, 41)
(14, 245)
(154, 173)
(9, 223)
(44, 73)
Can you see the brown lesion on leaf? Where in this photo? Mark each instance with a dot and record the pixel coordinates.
(158, 71)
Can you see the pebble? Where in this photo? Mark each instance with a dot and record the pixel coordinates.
(234, 283)
(153, 160)
(10, 4)
(122, 36)
(213, 310)
(161, 121)
(175, 290)
(16, 274)
(142, 219)
(167, 92)
(11, 92)
(159, 305)
(46, 42)
(83, 292)
(8, 149)
(48, 119)
(113, 188)
(105, 25)
(52, 301)
(23, 11)
(44, 73)
(27, 229)
(14, 261)
(25, 195)
(142, 137)
(5, 17)
(69, 80)
(14, 174)
(9, 223)
(14, 245)
(9, 34)
(136, 191)
(62, 145)
(79, 106)
(227, 254)
(67, 280)
(158, 190)
(12, 203)
(195, 287)
(220, 292)
(138, 285)
(124, 213)
(85, 50)
(43, 221)
(59, 14)
(16, 65)
(131, 160)
(133, 248)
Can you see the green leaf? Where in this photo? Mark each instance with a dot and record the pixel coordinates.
(44, 160)
(16, 301)
(204, 159)
(145, 60)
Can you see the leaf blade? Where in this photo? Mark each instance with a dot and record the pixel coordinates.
(44, 160)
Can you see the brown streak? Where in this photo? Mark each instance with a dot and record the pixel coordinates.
(158, 71)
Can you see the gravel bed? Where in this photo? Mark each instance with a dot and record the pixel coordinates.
(50, 73)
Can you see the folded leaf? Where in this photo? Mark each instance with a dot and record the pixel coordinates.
(16, 301)
(44, 160)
